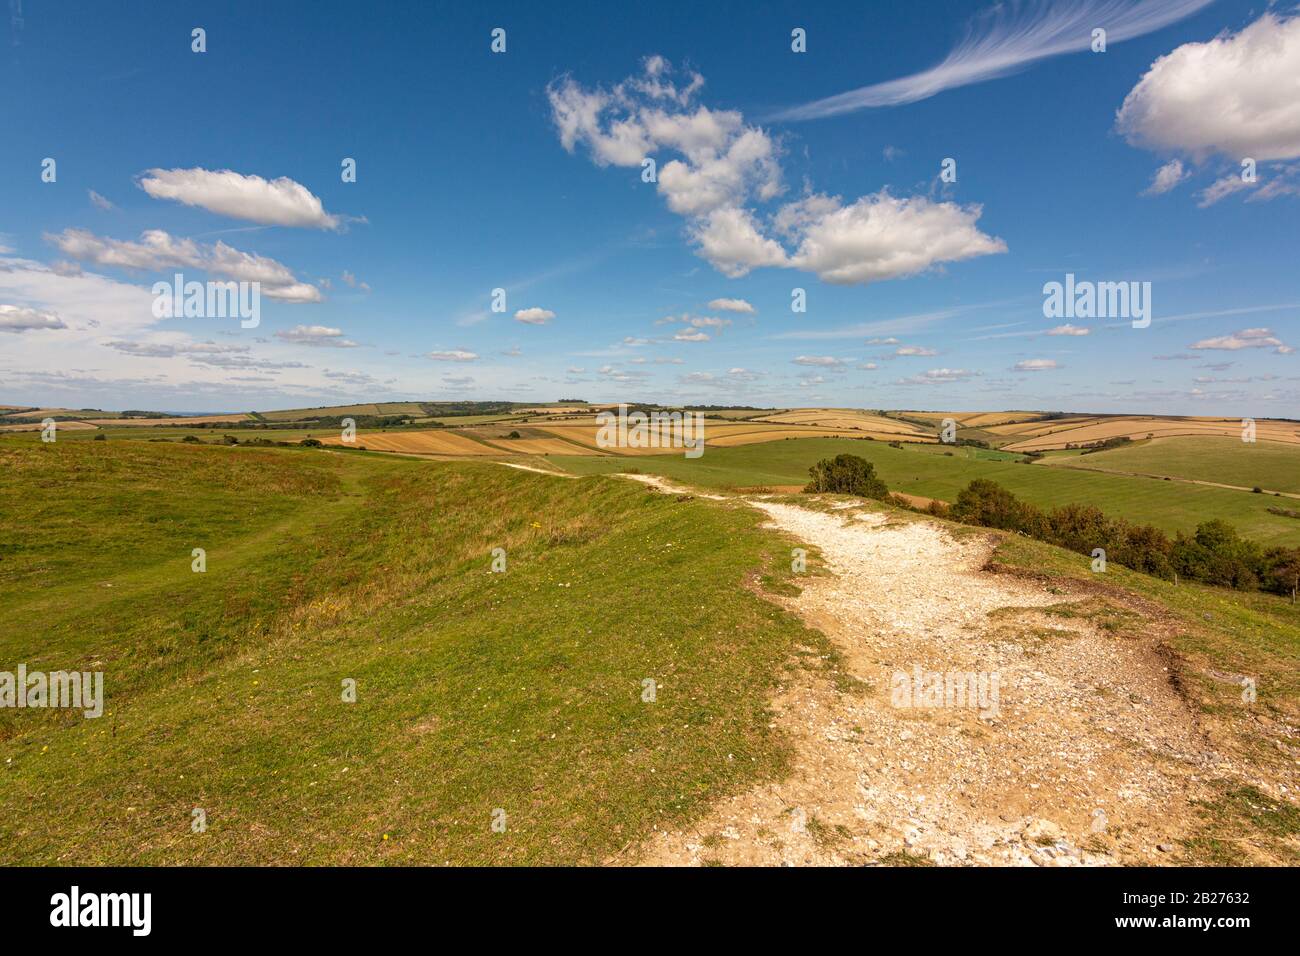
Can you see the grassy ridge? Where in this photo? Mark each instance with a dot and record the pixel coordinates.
(1170, 506)
(476, 691)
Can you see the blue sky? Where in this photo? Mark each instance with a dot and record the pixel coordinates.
(479, 170)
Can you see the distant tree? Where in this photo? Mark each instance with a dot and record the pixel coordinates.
(846, 475)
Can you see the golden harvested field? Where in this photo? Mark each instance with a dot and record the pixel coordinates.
(36, 426)
(725, 434)
(844, 418)
(989, 419)
(437, 442)
(1060, 433)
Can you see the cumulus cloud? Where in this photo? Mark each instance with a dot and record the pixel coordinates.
(157, 250)
(1237, 95)
(691, 335)
(910, 350)
(321, 336)
(275, 202)
(724, 168)
(534, 316)
(1035, 365)
(1069, 329)
(1006, 39)
(453, 355)
(19, 318)
(732, 305)
(1245, 339)
(818, 361)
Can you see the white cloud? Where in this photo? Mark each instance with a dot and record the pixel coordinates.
(18, 318)
(316, 335)
(276, 202)
(454, 355)
(730, 239)
(691, 335)
(818, 361)
(1036, 365)
(99, 202)
(909, 350)
(158, 250)
(1245, 339)
(1167, 177)
(534, 316)
(1237, 95)
(732, 305)
(882, 237)
(726, 167)
(937, 376)
(1069, 329)
(1010, 38)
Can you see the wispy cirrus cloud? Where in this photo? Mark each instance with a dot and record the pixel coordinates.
(1006, 39)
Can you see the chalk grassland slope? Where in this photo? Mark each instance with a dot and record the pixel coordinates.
(1273, 466)
(925, 471)
(1047, 435)
(475, 691)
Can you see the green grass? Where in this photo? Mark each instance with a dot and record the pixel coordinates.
(476, 691)
(1274, 466)
(924, 470)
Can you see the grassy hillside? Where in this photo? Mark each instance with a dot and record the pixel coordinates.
(476, 691)
(927, 471)
(1273, 466)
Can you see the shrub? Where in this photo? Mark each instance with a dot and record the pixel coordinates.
(987, 503)
(191, 439)
(846, 475)
(101, 437)
(310, 442)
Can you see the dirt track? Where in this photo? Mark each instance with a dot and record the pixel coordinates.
(1091, 758)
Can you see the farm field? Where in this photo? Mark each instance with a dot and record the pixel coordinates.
(921, 470)
(223, 688)
(1040, 436)
(1273, 466)
(434, 442)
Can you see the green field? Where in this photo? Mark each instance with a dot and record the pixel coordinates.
(1272, 466)
(476, 691)
(926, 471)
